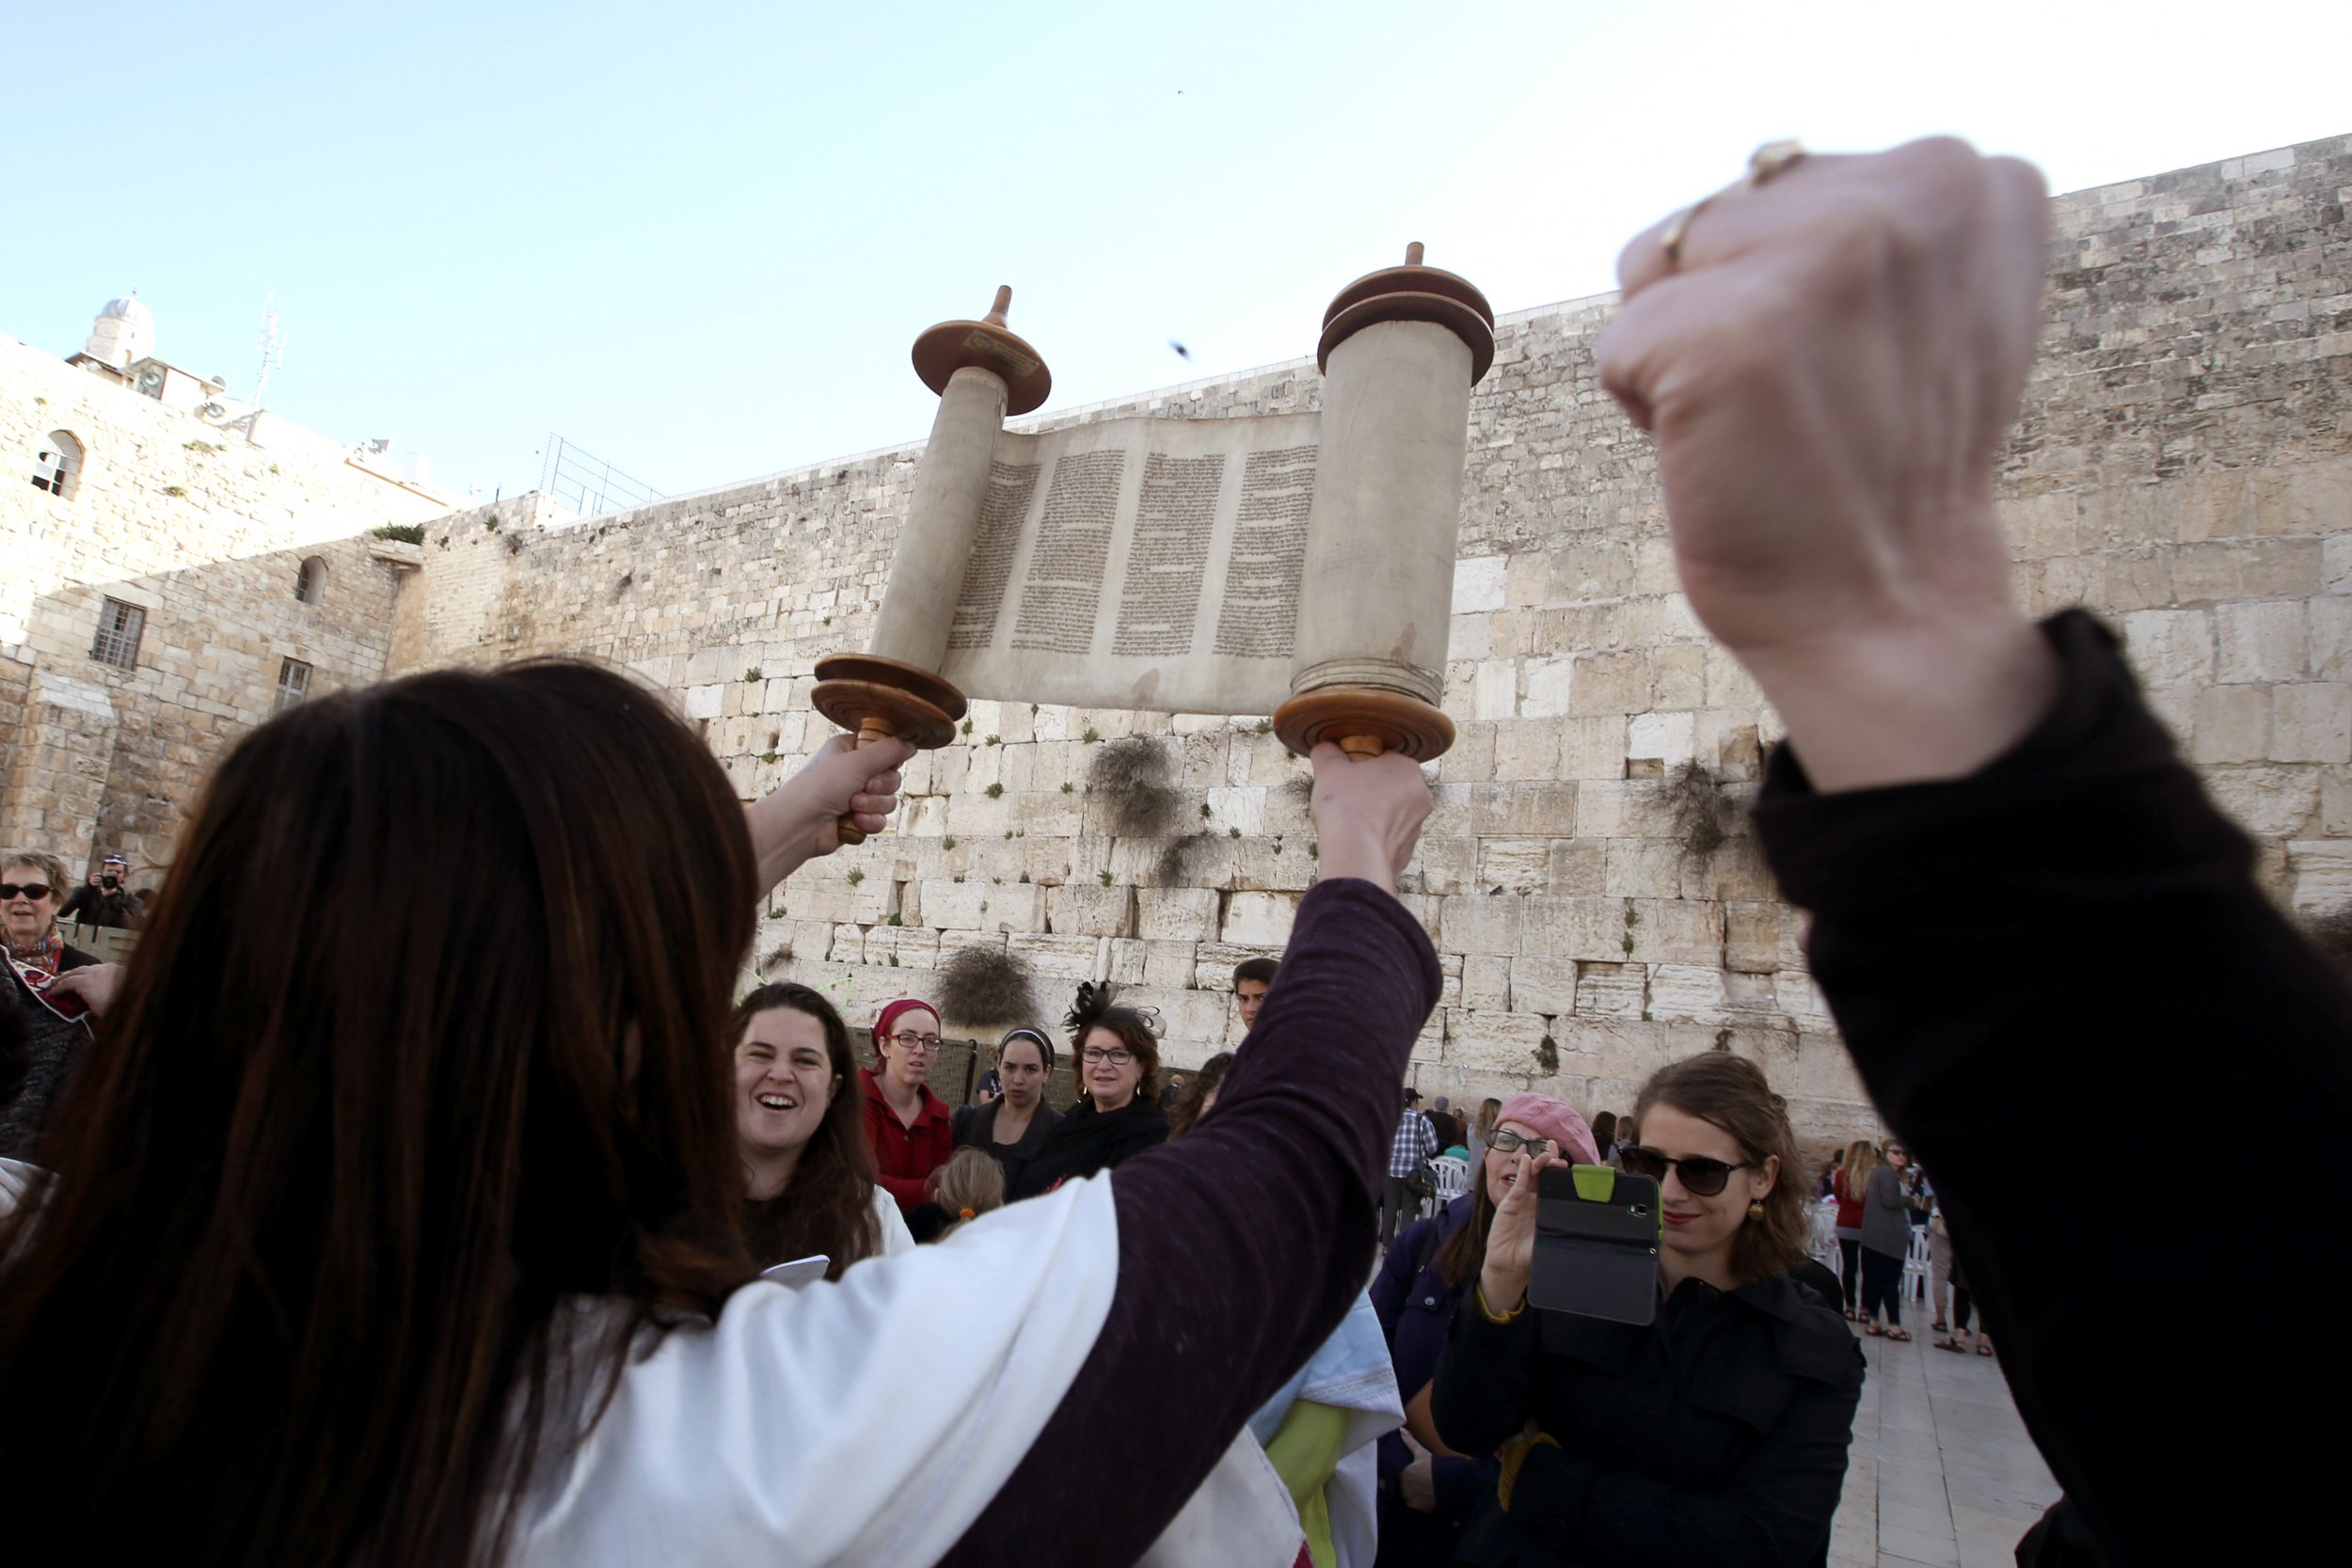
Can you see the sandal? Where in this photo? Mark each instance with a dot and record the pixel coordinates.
(1899, 1335)
(1938, 1325)
(1952, 1345)
(1850, 1315)
(1872, 1329)
(1984, 1347)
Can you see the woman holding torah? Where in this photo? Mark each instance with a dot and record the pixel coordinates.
(473, 1237)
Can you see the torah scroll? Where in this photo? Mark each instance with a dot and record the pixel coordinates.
(1137, 563)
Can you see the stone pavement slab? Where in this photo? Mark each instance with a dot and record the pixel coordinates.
(1942, 1474)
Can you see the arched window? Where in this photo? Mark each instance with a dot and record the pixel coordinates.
(310, 582)
(58, 466)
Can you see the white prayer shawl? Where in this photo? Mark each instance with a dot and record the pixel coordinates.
(865, 1422)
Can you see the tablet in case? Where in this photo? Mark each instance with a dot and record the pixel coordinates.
(1596, 1235)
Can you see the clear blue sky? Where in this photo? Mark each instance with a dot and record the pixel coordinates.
(698, 239)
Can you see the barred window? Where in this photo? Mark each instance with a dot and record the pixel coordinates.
(293, 684)
(119, 626)
(57, 464)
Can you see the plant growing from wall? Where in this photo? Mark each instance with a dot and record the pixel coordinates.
(1135, 780)
(1180, 861)
(1091, 735)
(1547, 1055)
(1701, 813)
(856, 877)
(751, 674)
(175, 489)
(405, 533)
(996, 791)
(986, 987)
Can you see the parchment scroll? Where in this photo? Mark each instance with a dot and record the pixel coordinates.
(1135, 563)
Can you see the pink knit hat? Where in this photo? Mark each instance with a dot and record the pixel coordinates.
(1555, 1119)
(892, 1012)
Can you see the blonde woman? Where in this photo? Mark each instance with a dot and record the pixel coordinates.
(971, 1183)
(1851, 1187)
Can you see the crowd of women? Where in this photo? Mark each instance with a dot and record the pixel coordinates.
(431, 1230)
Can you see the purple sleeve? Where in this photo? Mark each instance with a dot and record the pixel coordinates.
(1240, 1247)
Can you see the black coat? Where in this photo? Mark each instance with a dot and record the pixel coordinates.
(1715, 1436)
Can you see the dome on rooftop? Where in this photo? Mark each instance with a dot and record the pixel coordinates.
(128, 308)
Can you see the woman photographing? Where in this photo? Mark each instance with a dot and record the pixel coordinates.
(1428, 1492)
(1118, 1115)
(1717, 1433)
(808, 1177)
(1011, 1128)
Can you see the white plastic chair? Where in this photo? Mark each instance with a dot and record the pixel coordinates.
(1453, 1181)
(1825, 1248)
(1916, 1265)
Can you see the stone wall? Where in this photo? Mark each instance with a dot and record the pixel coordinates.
(206, 533)
(2182, 465)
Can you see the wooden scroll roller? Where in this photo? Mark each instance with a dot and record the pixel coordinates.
(981, 372)
(1400, 350)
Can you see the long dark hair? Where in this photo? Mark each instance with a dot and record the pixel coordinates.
(1732, 1093)
(1195, 1099)
(829, 1208)
(1137, 1029)
(1604, 1131)
(335, 1174)
(1465, 1252)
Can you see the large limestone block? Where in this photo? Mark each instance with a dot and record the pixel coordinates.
(1546, 986)
(950, 905)
(1486, 983)
(1514, 865)
(1056, 958)
(1528, 749)
(1259, 919)
(1612, 991)
(1130, 961)
(2230, 723)
(1545, 807)
(1479, 583)
(1443, 866)
(1176, 915)
(2310, 723)
(1688, 994)
(1492, 1041)
(1666, 738)
(1213, 963)
(1080, 910)
(1168, 964)
(2169, 647)
(2322, 874)
(1752, 936)
(839, 902)
(849, 945)
(2269, 802)
(1481, 923)
(2261, 641)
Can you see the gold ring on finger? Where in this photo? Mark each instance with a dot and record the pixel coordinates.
(1772, 160)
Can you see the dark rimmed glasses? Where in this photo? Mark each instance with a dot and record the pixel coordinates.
(1116, 1057)
(914, 1043)
(1702, 1176)
(1510, 1143)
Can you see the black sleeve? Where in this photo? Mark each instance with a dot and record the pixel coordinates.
(2064, 957)
(1241, 1245)
(1484, 1391)
(81, 897)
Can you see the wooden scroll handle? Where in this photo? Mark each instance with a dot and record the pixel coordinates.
(1364, 723)
(1362, 747)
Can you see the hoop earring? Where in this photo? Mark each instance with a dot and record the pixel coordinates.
(1755, 1210)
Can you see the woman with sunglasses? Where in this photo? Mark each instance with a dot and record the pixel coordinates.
(1885, 1241)
(906, 1124)
(1715, 1433)
(1428, 1492)
(1118, 1115)
(1011, 1128)
(52, 987)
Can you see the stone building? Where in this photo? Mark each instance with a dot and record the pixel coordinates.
(2184, 466)
(175, 563)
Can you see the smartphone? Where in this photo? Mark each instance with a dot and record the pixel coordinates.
(1596, 1235)
(799, 1271)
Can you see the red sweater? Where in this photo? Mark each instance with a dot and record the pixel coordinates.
(1848, 1203)
(905, 1156)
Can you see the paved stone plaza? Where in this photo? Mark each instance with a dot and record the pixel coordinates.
(1942, 1474)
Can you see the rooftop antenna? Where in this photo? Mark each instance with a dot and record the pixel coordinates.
(273, 347)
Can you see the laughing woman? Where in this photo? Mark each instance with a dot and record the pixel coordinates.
(1118, 1115)
(808, 1176)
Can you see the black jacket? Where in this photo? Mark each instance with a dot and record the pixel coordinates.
(1715, 1436)
(2122, 973)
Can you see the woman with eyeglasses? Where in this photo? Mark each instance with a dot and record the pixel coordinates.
(1118, 1115)
(1715, 1433)
(809, 1188)
(907, 1127)
(53, 988)
(1011, 1128)
(1429, 1492)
